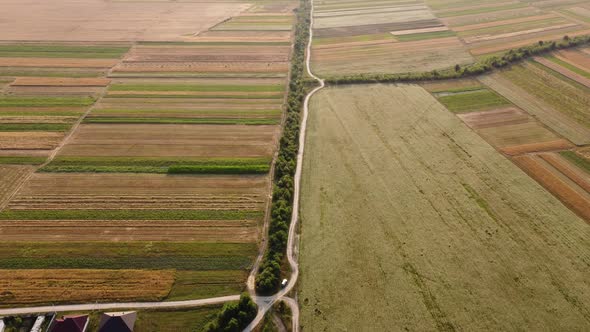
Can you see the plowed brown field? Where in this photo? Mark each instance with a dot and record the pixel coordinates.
(553, 180)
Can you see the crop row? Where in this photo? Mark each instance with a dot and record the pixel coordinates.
(159, 165)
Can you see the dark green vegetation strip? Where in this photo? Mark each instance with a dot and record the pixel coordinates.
(192, 319)
(424, 36)
(197, 87)
(577, 160)
(159, 165)
(269, 273)
(190, 285)
(471, 101)
(212, 121)
(195, 169)
(45, 101)
(234, 316)
(34, 126)
(130, 215)
(127, 255)
(22, 160)
(482, 66)
(61, 51)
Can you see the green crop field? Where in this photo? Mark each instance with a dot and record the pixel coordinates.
(471, 100)
(45, 101)
(175, 320)
(410, 221)
(34, 126)
(159, 165)
(569, 66)
(577, 160)
(127, 255)
(425, 36)
(569, 98)
(22, 160)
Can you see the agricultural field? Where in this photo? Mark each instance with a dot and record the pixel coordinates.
(513, 132)
(459, 239)
(151, 151)
(489, 27)
(49, 87)
(381, 37)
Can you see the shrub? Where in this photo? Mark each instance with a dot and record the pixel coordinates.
(234, 316)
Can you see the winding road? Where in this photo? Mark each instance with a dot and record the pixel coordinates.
(264, 302)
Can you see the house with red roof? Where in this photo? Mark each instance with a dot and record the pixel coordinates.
(69, 323)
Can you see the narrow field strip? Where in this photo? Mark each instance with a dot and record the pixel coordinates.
(36, 286)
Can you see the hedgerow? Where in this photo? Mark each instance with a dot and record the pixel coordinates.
(480, 67)
(269, 273)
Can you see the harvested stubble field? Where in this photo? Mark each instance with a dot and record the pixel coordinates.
(49, 191)
(234, 231)
(566, 96)
(529, 93)
(498, 121)
(381, 36)
(513, 131)
(72, 285)
(94, 270)
(177, 140)
(487, 27)
(11, 177)
(112, 20)
(458, 239)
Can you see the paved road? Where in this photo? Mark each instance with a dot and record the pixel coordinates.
(264, 303)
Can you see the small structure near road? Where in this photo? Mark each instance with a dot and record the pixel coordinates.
(38, 324)
(117, 321)
(69, 323)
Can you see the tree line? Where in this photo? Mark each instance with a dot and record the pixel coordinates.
(479, 67)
